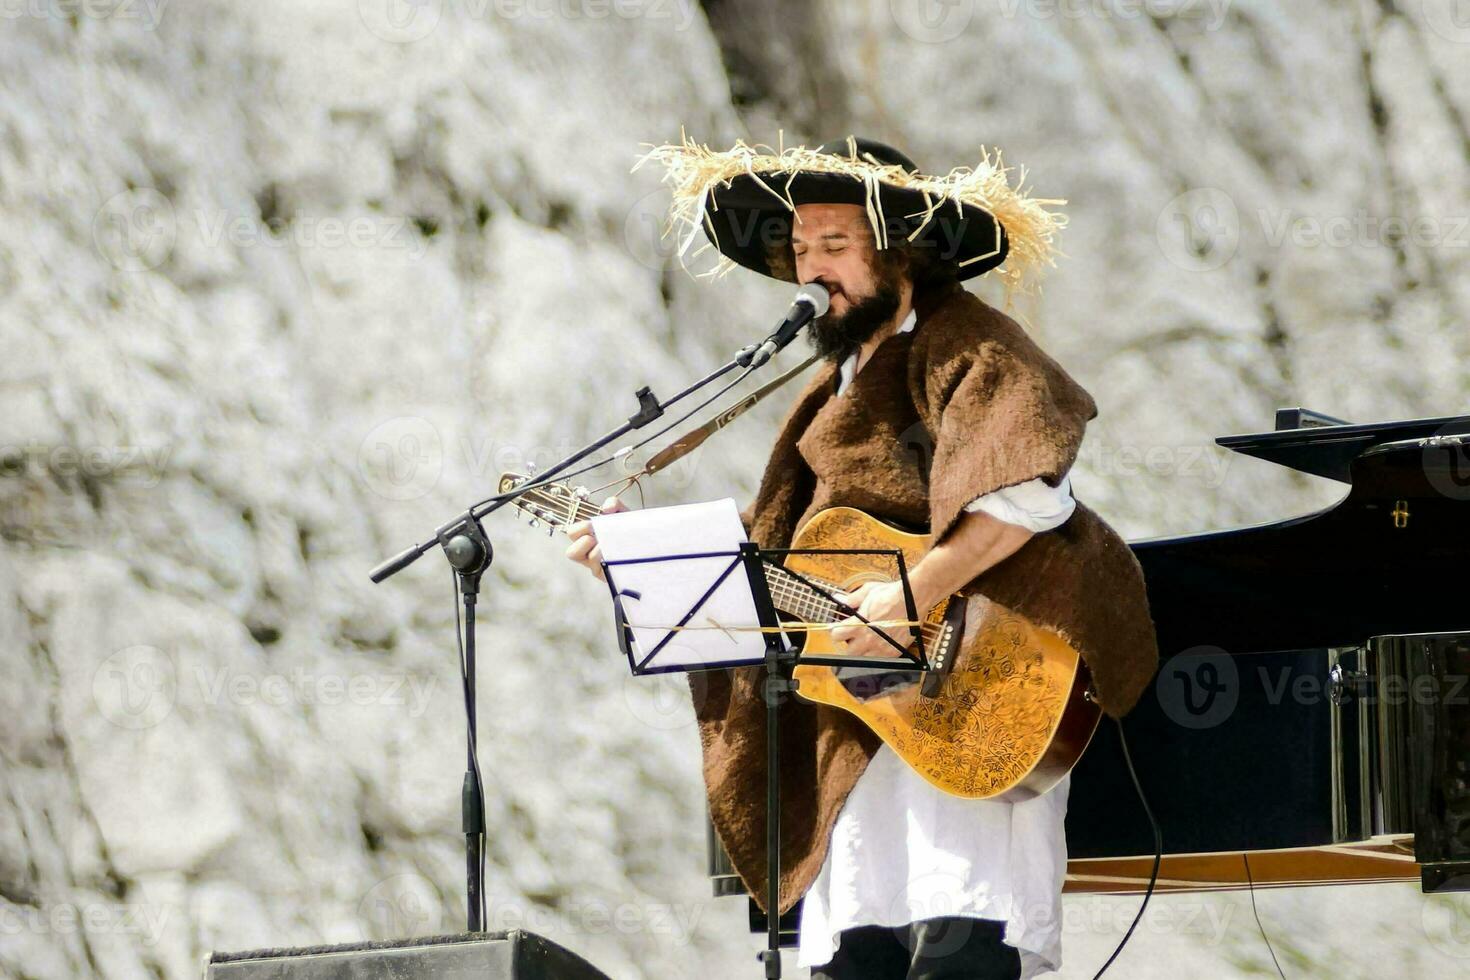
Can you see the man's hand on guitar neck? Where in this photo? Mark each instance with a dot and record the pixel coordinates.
(584, 550)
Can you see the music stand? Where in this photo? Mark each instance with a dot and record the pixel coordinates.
(780, 659)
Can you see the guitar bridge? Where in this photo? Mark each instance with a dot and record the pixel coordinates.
(866, 683)
(946, 648)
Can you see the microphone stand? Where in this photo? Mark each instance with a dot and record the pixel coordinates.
(470, 553)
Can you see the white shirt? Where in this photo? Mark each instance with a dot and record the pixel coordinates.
(902, 850)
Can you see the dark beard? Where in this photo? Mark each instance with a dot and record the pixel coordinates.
(838, 337)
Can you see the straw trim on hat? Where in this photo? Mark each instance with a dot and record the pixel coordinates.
(699, 177)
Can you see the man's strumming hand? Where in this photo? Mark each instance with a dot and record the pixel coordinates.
(876, 602)
(977, 542)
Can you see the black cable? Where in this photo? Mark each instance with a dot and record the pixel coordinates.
(469, 696)
(1251, 884)
(1158, 850)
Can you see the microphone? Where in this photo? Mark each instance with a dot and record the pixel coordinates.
(812, 301)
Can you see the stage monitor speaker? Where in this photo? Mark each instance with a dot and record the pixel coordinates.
(513, 955)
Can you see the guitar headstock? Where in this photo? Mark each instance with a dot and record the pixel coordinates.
(556, 504)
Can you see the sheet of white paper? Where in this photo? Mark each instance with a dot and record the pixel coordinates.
(667, 589)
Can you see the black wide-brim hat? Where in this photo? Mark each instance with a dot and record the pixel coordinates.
(744, 200)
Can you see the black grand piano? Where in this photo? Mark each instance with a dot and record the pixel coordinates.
(1310, 722)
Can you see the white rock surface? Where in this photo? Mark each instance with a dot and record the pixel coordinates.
(284, 285)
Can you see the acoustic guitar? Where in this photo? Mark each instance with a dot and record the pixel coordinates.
(1004, 714)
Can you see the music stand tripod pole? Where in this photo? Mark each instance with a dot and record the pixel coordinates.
(779, 684)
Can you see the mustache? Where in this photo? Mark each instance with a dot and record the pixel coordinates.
(833, 290)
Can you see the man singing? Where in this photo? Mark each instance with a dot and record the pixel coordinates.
(930, 410)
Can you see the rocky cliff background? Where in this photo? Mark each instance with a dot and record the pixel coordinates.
(283, 285)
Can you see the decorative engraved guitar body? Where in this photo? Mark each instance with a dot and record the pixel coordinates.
(1008, 713)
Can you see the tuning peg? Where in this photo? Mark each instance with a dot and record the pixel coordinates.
(535, 522)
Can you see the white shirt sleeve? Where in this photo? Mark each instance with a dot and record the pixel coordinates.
(1032, 504)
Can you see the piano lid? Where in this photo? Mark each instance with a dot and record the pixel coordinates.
(1321, 445)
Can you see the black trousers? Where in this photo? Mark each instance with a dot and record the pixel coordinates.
(945, 948)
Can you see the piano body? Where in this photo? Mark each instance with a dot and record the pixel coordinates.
(1310, 722)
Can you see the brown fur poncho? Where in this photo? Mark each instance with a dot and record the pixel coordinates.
(964, 404)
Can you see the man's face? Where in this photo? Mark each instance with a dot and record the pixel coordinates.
(833, 245)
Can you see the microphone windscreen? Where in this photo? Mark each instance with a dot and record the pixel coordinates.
(816, 294)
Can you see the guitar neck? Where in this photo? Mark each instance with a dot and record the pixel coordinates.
(560, 508)
(794, 596)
